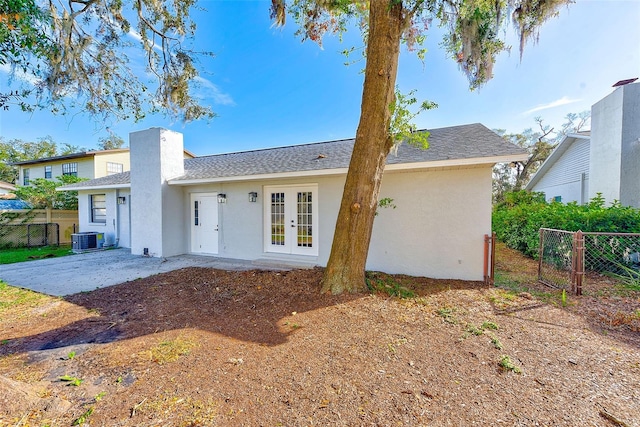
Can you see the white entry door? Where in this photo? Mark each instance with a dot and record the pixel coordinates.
(204, 223)
(291, 219)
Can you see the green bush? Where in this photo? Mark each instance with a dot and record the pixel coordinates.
(518, 219)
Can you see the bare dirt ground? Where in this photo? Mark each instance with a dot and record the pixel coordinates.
(204, 347)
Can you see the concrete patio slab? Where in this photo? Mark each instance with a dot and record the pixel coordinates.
(92, 270)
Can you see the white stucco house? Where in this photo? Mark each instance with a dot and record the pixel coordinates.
(281, 204)
(605, 160)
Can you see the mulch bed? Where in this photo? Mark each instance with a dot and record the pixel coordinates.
(204, 347)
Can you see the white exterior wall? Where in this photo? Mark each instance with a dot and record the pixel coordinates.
(630, 163)
(157, 209)
(606, 153)
(569, 175)
(437, 229)
(241, 223)
(116, 229)
(615, 146)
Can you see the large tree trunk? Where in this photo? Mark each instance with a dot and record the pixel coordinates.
(345, 269)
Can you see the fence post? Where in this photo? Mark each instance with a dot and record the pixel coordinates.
(540, 253)
(579, 249)
(493, 259)
(486, 259)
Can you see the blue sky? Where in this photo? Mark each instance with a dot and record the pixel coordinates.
(269, 89)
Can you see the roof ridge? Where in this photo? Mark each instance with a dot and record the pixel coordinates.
(331, 141)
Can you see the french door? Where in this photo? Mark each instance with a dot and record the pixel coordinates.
(291, 219)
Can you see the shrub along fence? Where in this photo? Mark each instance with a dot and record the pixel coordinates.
(37, 227)
(565, 257)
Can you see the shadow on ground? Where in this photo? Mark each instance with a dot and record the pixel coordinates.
(245, 305)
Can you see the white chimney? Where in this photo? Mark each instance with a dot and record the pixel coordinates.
(157, 214)
(614, 168)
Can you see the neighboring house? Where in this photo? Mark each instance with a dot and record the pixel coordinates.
(6, 188)
(281, 204)
(88, 164)
(605, 160)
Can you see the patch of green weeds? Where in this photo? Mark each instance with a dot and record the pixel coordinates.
(99, 396)
(507, 364)
(489, 325)
(71, 355)
(119, 380)
(73, 381)
(496, 343)
(474, 330)
(382, 283)
(447, 314)
(82, 419)
(4, 342)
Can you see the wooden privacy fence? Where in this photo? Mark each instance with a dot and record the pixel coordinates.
(564, 257)
(18, 226)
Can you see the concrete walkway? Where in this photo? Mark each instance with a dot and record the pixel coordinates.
(92, 270)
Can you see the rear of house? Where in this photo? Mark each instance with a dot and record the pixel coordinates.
(281, 204)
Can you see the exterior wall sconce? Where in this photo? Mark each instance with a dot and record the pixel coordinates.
(222, 198)
(253, 197)
(122, 200)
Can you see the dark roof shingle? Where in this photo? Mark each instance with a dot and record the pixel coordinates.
(473, 141)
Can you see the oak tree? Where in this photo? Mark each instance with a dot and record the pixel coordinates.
(473, 40)
(79, 53)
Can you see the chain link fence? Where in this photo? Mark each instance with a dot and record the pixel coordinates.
(556, 258)
(29, 235)
(571, 260)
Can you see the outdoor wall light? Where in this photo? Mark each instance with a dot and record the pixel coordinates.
(253, 196)
(122, 200)
(222, 198)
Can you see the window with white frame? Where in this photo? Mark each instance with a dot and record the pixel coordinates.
(98, 208)
(47, 172)
(25, 177)
(70, 169)
(114, 168)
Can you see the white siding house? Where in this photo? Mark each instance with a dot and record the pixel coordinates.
(605, 160)
(281, 204)
(564, 177)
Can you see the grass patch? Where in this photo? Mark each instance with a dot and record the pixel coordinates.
(12, 297)
(167, 351)
(196, 412)
(447, 314)
(13, 255)
(383, 283)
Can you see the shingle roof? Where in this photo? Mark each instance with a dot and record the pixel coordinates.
(70, 156)
(473, 141)
(456, 142)
(118, 179)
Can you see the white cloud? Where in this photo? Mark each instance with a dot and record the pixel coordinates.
(557, 103)
(20, 75)
(209, 90)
